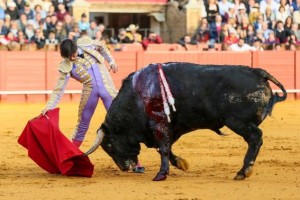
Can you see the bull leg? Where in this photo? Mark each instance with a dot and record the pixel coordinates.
(178, 162)
(162, 134)
(253, 136)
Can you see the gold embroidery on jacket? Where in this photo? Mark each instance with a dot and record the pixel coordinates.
(107, 81)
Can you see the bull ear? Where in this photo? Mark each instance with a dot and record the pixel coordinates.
(99, 138)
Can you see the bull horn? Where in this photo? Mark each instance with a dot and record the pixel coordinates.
(99, 138)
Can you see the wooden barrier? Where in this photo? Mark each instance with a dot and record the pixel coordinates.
(38, 71)
(280, 64)
(145, 58)
(225, 58)
(297, 72)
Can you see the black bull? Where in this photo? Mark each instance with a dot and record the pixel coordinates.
(206, 97)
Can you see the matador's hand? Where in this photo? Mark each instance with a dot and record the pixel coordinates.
(113, 67)
(44, 111)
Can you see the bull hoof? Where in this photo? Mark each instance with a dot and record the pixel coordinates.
(182, 164)
(239, 177)
(160, 176)
(249, 171)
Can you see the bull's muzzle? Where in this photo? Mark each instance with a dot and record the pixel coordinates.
(99, 138)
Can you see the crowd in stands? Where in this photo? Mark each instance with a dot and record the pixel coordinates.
(240, 25)
(236, 25)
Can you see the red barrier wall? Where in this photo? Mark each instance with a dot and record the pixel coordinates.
(297, 72)
(39, 70)
(280, 64)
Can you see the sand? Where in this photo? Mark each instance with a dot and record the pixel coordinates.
(213, 160)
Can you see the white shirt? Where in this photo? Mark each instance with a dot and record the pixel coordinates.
(245, 47)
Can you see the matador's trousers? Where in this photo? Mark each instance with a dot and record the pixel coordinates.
(99, 86)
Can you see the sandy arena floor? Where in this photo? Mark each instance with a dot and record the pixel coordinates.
(213, 160)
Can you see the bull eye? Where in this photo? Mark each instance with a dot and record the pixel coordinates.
(109, 147)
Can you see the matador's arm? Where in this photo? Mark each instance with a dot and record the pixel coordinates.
(64, 69)
(104, 51)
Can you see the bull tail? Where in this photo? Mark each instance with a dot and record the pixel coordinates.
(275, 97)
(271, 78)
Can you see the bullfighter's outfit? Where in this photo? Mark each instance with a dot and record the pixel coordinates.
(88, 69)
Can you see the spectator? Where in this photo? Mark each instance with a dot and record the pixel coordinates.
(260, 35)
(232, 38)
(68, 23)
(122, 37)
(2, 13)
(272, 40)
(232, 23)
(12, 43)
(186, 40)
(203, 31)
(296, 16)
(36, 21)
(269, 17)
(277, 47)
(212, 9)
(244, 23)
(22, 22)
(27, 11)
(51, 39)
(76, 31)
(250, 35)
(231, 14)
(257, 44)
(20, 4)
(152, 38)
(46, 4)
(242, 14)
(99, 36)
(12, 10)
(292, 47)
(10, 37)
(286, 5)
(60, 14)
(288, 24)
(101, 28)
(296, 5)
(224, 32)
(3, 29)
(33, 3)
(280, 32)
(293, 40)
(47, 26)
(254, 13)
(39, 10)
(14, 28)
(7, 20)
(55, 4)
(39, 39)
(60, 32)
(29, 31)
(241, 46)
(215, 29)
(295, 30)
(51, 11)
(22, 38)
(92, 30)
(224, 6)
(52, 23)
(265, 30)
(268, 3)
(258, 23)
(132, 33)
(281, 15)
(83, 23)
